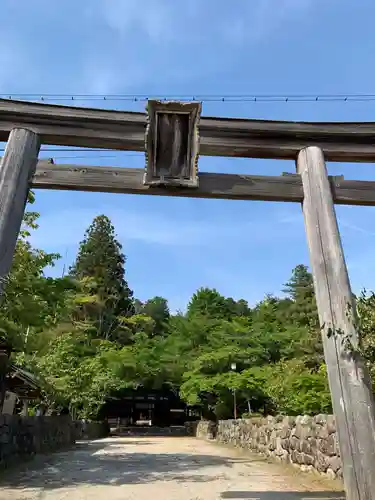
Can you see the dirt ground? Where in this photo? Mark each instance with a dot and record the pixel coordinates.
(165, 468)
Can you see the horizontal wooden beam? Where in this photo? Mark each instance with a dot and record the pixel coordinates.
(97, 128)
(220, 186)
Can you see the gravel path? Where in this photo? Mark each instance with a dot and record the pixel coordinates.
(166, 468)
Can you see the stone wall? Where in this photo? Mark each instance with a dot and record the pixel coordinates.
(308, 442)
(91, 430)
(192, 427)
(202, 429)
(23, 437)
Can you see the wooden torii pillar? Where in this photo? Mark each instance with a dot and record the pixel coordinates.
(16, 170)
(349, 380)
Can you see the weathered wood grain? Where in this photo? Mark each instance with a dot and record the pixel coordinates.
(286, 188)
(16, 169)
(349, 380)
(172, 144)
(73, 126)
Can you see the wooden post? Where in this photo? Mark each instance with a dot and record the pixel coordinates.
(25, 408)
(16, 170)
(349, 380)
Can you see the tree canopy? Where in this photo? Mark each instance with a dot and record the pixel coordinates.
(100, 265)
(87, 338)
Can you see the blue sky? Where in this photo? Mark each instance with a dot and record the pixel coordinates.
(174, 246)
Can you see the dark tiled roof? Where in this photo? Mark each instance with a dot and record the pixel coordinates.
(22, 382)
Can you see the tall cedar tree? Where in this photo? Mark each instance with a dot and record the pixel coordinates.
(300, 289)
(303, 312)
(100, 259)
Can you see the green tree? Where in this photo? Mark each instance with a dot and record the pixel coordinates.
(157, 309)
(300, 289)
(209, 302)
(296, 390)
(365, 305)
(138, 306)
(81, 374)
(101, 260)
(242, 308)
(31, 302)
(209, 380)
(303, 313)
(87, 339)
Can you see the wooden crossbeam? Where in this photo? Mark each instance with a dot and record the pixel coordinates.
(286, 188)
(97, 128)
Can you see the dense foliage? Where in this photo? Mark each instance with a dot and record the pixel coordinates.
(87, 338)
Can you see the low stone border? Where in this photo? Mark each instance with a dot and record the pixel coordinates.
(308, 442)
(21, 438)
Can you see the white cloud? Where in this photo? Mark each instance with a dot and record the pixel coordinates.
(169, 41)
(296, 219)
(152, 229)
(12, 59)
(261, 18)
(103, 77)
(59, 230)
(165, 20)
(356, 228)
(168, 226)
(357, 242)
(153, 19)
(109, 46)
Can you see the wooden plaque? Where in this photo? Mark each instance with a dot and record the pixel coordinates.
(172, 143)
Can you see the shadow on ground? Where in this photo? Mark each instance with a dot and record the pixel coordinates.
(106, 463)
(287, 495)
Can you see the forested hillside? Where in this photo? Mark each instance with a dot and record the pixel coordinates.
(86, 336)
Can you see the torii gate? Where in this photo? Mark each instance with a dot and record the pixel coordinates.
(173, 135)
